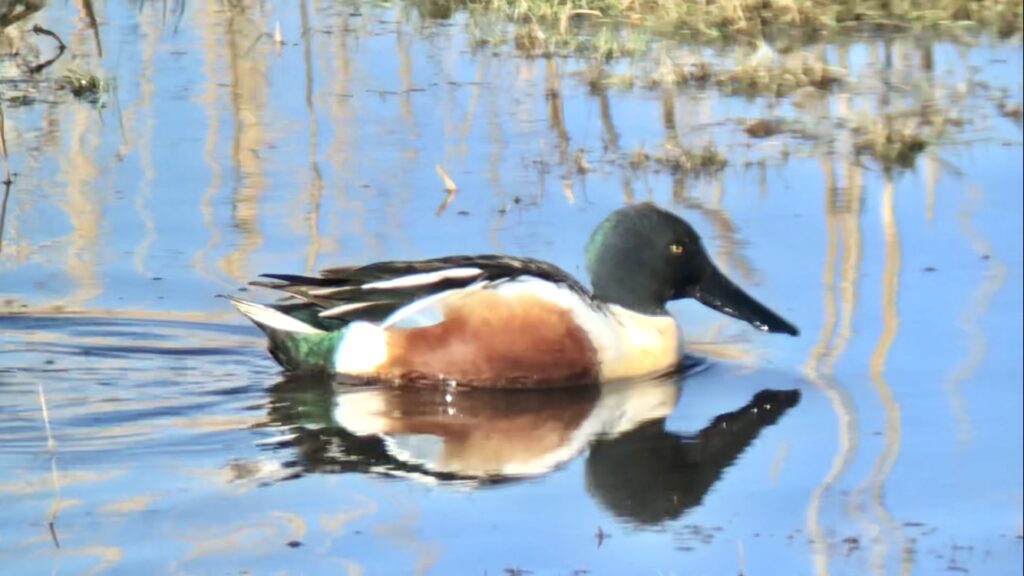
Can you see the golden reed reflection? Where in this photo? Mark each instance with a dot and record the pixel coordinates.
(255, 535)
(332, 523)
(83, 209)
(610, 142)
(842, 219)
(495, 160)
(144, 105)
(404, 57)
(316, 181)
(403, 531)
(556, 114)
(238, 26)
(932, 168)
(83, 206)
(892, 437)
(106, 556)
(338, 64)
(207, 98)
(969, 319)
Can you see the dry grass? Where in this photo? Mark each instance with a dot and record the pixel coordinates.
(704, 160)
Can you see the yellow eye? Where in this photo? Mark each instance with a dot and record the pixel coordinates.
(675, 248)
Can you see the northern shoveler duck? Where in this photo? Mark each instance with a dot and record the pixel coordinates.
(507, 322)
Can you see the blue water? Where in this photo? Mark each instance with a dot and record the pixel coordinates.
(885, 439)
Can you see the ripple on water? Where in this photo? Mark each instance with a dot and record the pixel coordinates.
(115, 387)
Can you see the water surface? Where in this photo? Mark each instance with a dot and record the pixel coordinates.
(144, 429)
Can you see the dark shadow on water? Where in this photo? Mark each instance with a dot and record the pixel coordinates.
(635, 467)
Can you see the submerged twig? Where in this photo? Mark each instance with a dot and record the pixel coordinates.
(39, 30)
(51, 446)
(3, 152)
(444, 203)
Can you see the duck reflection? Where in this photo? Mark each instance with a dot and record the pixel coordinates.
(635, 467)
(669, 473)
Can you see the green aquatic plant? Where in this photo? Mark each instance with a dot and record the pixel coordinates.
(83, 85)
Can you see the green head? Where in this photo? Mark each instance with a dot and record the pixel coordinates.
(641, 257)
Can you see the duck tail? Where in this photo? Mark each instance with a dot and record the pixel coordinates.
(294, 344)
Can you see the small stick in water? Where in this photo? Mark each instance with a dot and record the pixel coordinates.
(450, 188)
(449, 185)
(51, 446)
(39, 30)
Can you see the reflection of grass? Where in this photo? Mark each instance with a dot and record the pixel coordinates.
(537, 39)
(763, 127)
(616, 27)
(896, 139)
(781, 78)
(679, 159)
(814, 105)
(891, 145)
(757, 75)
(1011, 110)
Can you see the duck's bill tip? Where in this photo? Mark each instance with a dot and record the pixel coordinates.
(719, 293)
(781, 327)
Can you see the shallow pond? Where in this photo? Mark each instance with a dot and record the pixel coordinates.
(144, 429)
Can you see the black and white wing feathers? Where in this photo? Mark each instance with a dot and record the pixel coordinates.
(373, 291)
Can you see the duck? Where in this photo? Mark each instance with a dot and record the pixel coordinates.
(495, 321)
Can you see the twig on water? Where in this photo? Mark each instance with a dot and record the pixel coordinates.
(3, 149)
(51, 446)
(3, 213)
(450, 188)
(449, 184)
(39, 30)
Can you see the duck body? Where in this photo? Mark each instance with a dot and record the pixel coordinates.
(494, 321)
(483, 321)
